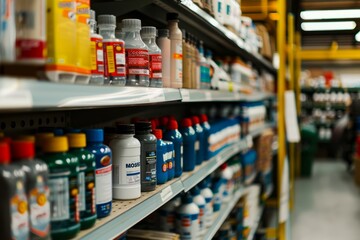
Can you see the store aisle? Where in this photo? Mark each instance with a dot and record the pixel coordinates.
(327, 206)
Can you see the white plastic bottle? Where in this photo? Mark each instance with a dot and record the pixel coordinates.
(208, 211)
(126, 163)
(199, 200)
(187, 218)
(226, 174)
(97, 53)
(167, 215)
(7, 30)
(137, 54)
(163, 42)
(148, 35)
(175, 50)
(114, 51)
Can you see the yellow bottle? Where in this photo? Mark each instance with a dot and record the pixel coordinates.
(83, 42)
(61, 40)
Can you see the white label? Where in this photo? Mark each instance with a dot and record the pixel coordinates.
(120, 58)
(40, 210)
(208, 96)
(103, 185)
(139, 71)
(166, 194)
(178, 62)
(157, 75)
(197, 146)
(82, 195)
(208, 213)
(100, 55)
(185, 94)
(59, 198)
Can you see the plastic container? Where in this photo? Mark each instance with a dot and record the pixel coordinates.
(148, 35)
(226, 174)
(199, 200)
(87, 163)
(37, 189)
(161, 158)
(14, 212)
(97, 53)
(173, 135)
(163, 42)
(189, 140)
(126, 163)
(170, 159)
(204, 69)
(200, 141)
(187, 61)
(148, 155)
(114, 51)
(218, 6)
(208, 195)
(218, 196)
(103, 172)
(7, 31)
(187, 218)
(168, 215)
(207, 128)
(137, 54)
(64, 188)
(175, 50)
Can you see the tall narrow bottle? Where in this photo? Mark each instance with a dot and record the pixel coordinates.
(163, 42)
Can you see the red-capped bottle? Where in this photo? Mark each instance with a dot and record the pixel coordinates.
(200, 140)
(207, 128)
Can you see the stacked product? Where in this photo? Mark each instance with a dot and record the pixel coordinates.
(251, 208)
(253, 116)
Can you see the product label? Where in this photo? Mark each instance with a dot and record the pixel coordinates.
(137, 61)
(150, 173)
(182, 156)
(155, 66)
(219, 7)
(82, 199)
(114, 59)
(103, 182)
(188, 225)
(178, 56)
(167, 220)
(205, 74)
(208, 212)
(59, 198)
(197, 145)
(201, 216)
(19, 213)
(97, 56)
(128, 173)
(39, 208)
(90, 191)
(30, 49)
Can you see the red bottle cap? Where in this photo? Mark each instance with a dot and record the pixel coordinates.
(6, 140)
(173, 125)
(172, 117)
(154, 124)
(4, 152)
(186, 122)
(224, 166)
(195, 120)
(164, 121)
(203, 118)
(22, 150)
(157, 133)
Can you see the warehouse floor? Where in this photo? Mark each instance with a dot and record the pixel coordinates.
(327, 206)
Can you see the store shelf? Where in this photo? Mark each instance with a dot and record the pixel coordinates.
(256, 224)
(333, 89)
(224, 212)
(324, 107)
(261, 129)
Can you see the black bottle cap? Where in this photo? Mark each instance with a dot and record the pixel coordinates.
(172, 16)
(143, 126)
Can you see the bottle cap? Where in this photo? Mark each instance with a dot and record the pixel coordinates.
(56, 144)
(58, 131)
(131, 24)
(107, 19)
(72, 130)
(203, 118)
(125, 129)
(94, 135)
(142, 126)
(30, 138)
(208, 53)
(164, 121)
(172, 16)
(154, 123)
(224, 166)
(40, 138)
(195, 191)
(158, 133)
(22, 149)
(186, 198)
(76, 140)
(163, 33)
(195, 120)
(92, 15)
(4, 152)
(186, 122)
(172, 125)
(148, 31)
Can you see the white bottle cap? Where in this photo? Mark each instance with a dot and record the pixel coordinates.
(131, 24)
(148, 31)
(107, 19)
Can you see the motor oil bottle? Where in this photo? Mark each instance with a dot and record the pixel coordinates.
(163, 42)
(206, 127)
(199, 200)
(87, 208)
(161, 156)
(170, 159)
(172, 134)
(189, 140)
(64, 188)
(199, 144)
(168, 215)
(97, 53)
(208, 195)
(36, 185)
(187, 218)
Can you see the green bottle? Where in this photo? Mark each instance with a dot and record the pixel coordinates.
(77, 144)
(64, 188)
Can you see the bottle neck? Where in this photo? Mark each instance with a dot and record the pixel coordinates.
(92, 26)
(107, 33)
(173, 24)
(149, 40)
(134, 34)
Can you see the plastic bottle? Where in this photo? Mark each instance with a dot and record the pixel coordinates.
(37, 189)
(148, 35)
(187, 61)
(126, 163)
(187, 218)
(226, 175)
(164, 120)
(87, 163)
(170, 159)
(161, 157)
(148, 155)
(14, 212)
(204, 69)
(7, 30)
(30, 31)
(176, 77)
(189, 140)
(137, 54)
(200, 143)
(207, 128)
(103, 172)
(208, 195)
(114, 51)
(197, 63)
(173, 135)
(97, 53)
(64, 188)
(218, 196)
(163, 42)
(199, 200)
(218, 6)
(167, 215)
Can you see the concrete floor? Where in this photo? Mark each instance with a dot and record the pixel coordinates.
(327, 206)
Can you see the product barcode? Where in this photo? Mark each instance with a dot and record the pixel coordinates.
(110, 59)
(121, 70)
(144, 72)
(100, 55)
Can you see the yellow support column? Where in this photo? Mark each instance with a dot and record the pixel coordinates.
(298, 102)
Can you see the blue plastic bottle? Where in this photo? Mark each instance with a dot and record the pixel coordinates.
(207, 128)
(161, 164)
(172, 134)
(200, 143)
(170, 159)
(103, 172)
(217, 195)
(189, 139)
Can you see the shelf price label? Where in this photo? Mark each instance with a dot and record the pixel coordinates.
(185, 94)
(166, 194)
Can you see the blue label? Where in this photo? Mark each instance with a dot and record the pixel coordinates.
(228, 9)
(204, 74)
(219, 7)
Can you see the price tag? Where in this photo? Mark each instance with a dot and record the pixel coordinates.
(166, 194)
(208, 96)
(185, 94)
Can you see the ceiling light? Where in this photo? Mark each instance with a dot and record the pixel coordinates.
(328, 26)
(357, 37)
(330, 14)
